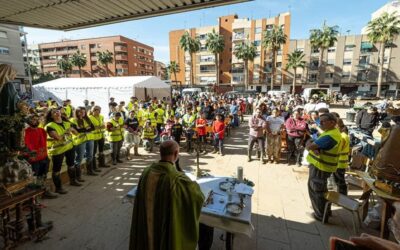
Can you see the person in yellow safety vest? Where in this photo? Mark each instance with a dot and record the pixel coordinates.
(160, 117)
(98, 136)
(83, 142)
(168, 113)
(149, 133)
(189, 120)
(49, 102)
(132, 103)
(343, 163)
(115, 136)
(151, 115)
(59, 145)
(140, 113)
(323, 158)
(68, 108)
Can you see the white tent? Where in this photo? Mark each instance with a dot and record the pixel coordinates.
(101, 89)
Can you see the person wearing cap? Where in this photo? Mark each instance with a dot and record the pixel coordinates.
(36, 142)
(323, 158)
(148, 135)
(115, 136)
(132, 133)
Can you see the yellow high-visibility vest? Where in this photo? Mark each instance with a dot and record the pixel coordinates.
(116, 135)
(327, 160)
(98, 123)
(55, 147)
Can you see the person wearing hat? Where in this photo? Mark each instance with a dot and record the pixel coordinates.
(115, 136)
(36, 142)
(132, 133)
(148, 135)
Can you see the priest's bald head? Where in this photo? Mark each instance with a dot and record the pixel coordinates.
(169, 151)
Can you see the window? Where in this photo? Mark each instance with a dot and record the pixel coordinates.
(347, 61)
(207, 68)
(278, 64)
(258, 53)
(256, 77)
(362, 76)
(4, 51)
(269, 26)
(300, 49)
(331, 49)
(279, 52)
(256, 67)
(298, 76)
(202, 36)
(366, 47)
(345, 74)
(258, 30)
(257, 43)
(83, 46)
(315, 51)
(349, 47)
(331, 62)
(364, 60)
(92, 46)
(3, 34)
(312, 77)
(314, 65)
(207, 79)
(385, 60)
(328, 75)
(207, 58)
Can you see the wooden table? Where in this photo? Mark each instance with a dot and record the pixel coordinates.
(12, 224)
(388, 199)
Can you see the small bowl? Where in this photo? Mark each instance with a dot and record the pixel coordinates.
(234, 208)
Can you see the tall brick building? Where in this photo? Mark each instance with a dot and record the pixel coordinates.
(234, 31)
(130, 57)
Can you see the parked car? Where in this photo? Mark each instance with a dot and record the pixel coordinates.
(363, 95)
(236, 94)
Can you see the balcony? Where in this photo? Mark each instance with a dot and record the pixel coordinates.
(121, 48)
(121, 57)
(237, 71)
(238, 37)
(121, 66)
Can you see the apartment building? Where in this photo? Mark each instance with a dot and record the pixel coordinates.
(234, 31)
(160, 70)
(130, 57)
(33, 56)
(351, 64)
(391, 7)
(11, 52)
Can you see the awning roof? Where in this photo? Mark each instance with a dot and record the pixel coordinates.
(366, 45)
(75, 14)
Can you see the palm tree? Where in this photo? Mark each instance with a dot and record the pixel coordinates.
(79, 60)
(383, 30)
(322, 39)
(65, 65)
(246, 52)
(190, 45)
(105, 58)
(33, 70)
(215, 44)
(173, 68)
(273, 40)
(295, 61)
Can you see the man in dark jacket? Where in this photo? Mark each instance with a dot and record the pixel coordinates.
(367, 120)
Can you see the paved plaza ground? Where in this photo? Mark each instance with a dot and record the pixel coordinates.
(95, 215)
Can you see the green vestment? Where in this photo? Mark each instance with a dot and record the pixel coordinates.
(166, 210)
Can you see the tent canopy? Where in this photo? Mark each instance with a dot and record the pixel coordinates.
(101, 89)
(74, 14)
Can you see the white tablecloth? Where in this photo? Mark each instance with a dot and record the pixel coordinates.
(215, 215)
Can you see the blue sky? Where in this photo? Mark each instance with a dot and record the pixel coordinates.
(306, 14)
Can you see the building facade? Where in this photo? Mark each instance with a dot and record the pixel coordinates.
(12, 47)
(351, 65)
(391, 7)
(33, 57)
(160, 70)
(231, 70)
(130, 57)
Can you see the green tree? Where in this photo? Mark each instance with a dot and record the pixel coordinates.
(295, 61)
(33, 70)
(44, 78)
(382, 31)
(322, 39)
(215, 44)
(65, 65)
(190, 45)
(273, 40)
(173, 68)
(246, 52)
(105, 58)
(79, 60)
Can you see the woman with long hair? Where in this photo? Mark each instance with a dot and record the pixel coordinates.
(59, 145)
(98, 137)
(83, 142)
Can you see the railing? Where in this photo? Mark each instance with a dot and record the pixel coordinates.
(121, 48)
